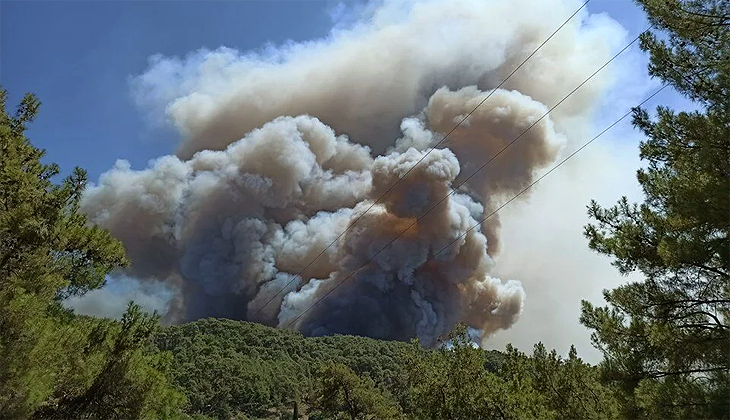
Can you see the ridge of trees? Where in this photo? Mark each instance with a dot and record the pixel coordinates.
(237, 369)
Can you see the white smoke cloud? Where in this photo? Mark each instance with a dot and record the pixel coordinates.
(284, 149)
(363, 81)
(551, 256)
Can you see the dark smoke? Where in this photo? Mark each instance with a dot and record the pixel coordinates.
(282, 152)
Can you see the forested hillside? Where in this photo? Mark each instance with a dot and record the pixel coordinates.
(227, 366)
(233, 369)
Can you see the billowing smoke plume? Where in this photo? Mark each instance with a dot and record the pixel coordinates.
(283, 150)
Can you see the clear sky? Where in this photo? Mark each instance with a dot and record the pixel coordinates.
(78, 57)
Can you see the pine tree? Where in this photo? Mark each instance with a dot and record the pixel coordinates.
(666, 339)
(54, 364)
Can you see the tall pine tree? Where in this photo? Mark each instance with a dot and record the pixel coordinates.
(54, 364)
(666, 339)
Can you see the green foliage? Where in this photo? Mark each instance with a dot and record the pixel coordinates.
(342, 394)
(571, 388)
(226, 367)
(130, 384)
(230, 368)
(453, 383)
(47, 249)
(54, 364)
(666, 339)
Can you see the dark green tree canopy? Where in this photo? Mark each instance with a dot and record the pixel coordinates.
(46, 245)
(667, 339)
(54, 364)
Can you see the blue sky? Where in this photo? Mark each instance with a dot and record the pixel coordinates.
(78, 58)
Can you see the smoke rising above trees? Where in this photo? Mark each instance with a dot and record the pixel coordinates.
(283, 149)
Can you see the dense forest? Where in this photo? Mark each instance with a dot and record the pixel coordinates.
(231, 368)
(665, 339)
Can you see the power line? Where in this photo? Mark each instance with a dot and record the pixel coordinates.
(357, 219)
(553, 168)
(520, 136)
(291, 322)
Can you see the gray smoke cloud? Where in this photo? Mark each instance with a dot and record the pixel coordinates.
(284, 149)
